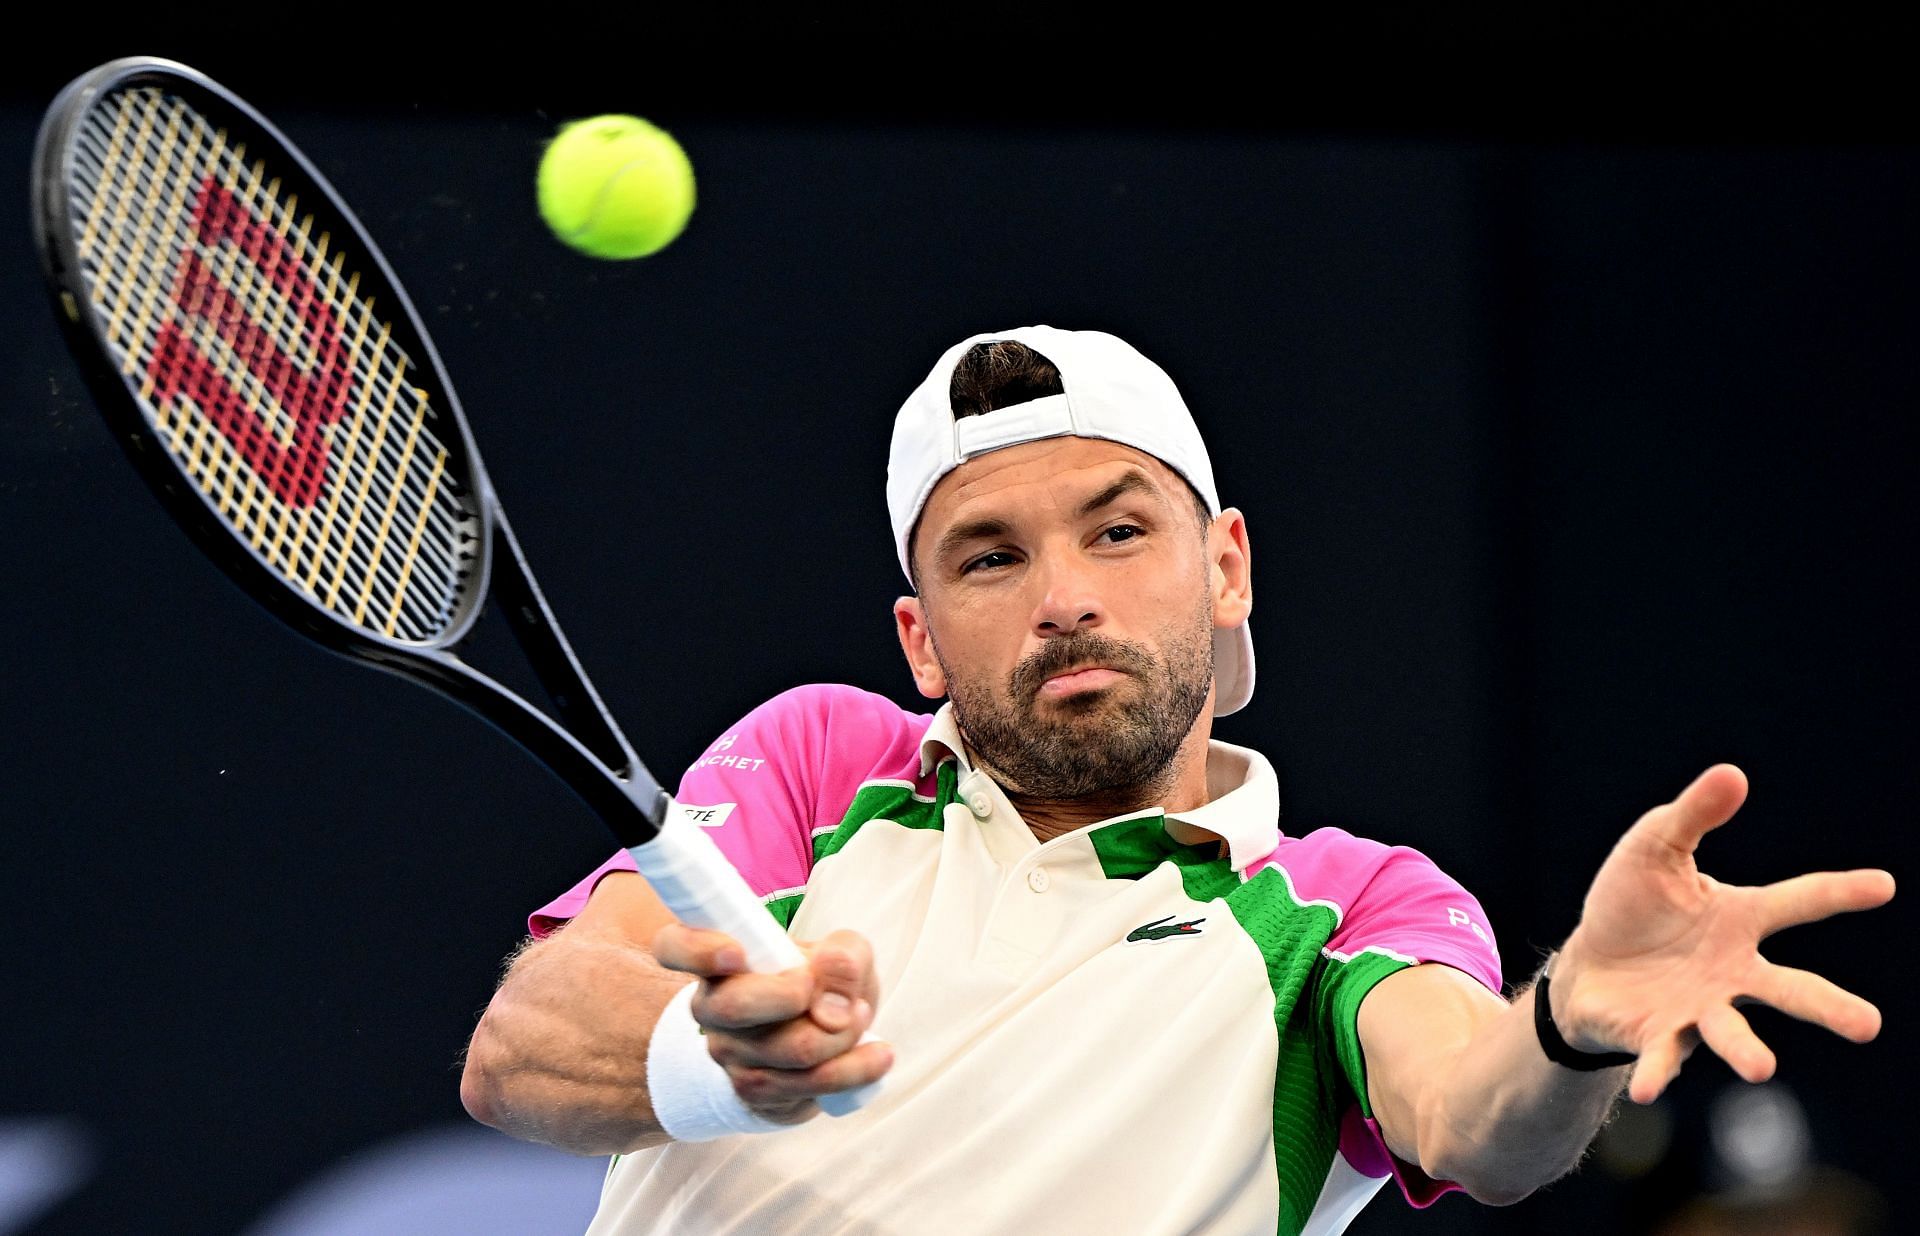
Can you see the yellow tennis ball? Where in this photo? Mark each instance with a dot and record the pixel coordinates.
(615, 186)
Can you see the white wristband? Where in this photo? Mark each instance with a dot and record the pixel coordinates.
(693, 1098)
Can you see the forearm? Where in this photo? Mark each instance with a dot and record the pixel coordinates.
(1661, 957)
(560, 1055)
(1506, 1120)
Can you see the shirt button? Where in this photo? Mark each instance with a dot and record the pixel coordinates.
(980, 804)
(1037, 879)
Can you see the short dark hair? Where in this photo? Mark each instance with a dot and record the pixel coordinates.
(999, 374)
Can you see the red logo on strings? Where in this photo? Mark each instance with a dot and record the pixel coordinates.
(296, 471)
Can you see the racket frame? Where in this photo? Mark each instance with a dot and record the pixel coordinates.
(682, 864)
(586, 749)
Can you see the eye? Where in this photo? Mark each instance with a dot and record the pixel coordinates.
(1122, 532)
(987, 562)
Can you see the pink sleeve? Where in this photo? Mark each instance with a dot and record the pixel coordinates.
(1396, 905)
(1412, 908)
(763, 788)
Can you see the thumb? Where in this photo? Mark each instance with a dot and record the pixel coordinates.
(843, 980)
(1700, 808)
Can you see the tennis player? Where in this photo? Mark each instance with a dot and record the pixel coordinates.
(1059, 924)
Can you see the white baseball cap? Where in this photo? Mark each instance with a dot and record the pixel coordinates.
(1112, 392)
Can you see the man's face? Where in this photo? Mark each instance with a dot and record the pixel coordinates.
(1067, 592)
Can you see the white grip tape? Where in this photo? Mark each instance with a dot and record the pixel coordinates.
(695, 880)
(702, 889)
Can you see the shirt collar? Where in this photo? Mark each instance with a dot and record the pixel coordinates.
(1243, 794)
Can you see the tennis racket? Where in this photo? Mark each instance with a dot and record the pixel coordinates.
(261, 365)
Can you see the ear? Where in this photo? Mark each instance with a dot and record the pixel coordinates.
(1230, 568)
(916, 640)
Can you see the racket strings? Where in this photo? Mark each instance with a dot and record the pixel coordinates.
(267, 374)
(260, 272)
(277, 378)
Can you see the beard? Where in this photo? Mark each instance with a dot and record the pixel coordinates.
(1097, 743)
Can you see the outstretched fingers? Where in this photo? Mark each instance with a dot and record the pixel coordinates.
(1659, 1064)
(1811, 998)
(1728, 1035)
(1822, 894)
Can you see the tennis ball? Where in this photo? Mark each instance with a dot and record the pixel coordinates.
(615, 186)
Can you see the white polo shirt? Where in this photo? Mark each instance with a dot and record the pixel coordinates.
(1120, 1030)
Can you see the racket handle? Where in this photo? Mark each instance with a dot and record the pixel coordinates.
(695, 880)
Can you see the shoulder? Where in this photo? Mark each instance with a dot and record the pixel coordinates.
(823, 732)
(1336, 867)
(860, 718)
(1389, 899)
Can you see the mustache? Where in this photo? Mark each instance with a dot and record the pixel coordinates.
(1057, 656)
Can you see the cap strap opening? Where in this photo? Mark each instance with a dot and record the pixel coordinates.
(1049, 416)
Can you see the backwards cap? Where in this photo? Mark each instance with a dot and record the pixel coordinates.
(1112, 392)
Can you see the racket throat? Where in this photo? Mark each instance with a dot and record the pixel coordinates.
(573, 698)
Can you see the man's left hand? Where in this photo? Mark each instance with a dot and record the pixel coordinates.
(1664, 952)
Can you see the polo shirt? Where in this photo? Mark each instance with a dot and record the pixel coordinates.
(1128, 1028)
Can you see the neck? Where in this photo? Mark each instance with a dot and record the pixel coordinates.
(1180, 786)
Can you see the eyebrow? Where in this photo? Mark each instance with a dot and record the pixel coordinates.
(988, 527)
(974, 529)
(1134, 482)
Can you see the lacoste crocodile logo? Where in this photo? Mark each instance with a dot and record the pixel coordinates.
(1156, 931)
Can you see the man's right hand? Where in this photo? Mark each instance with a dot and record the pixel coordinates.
(784, 1039)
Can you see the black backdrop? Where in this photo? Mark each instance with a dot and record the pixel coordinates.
(1572, 418)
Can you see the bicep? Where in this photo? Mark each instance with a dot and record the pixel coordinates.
(1413, 1025)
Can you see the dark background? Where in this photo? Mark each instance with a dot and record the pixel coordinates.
(1567, 381)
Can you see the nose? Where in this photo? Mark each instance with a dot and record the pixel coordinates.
(1068, 602)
